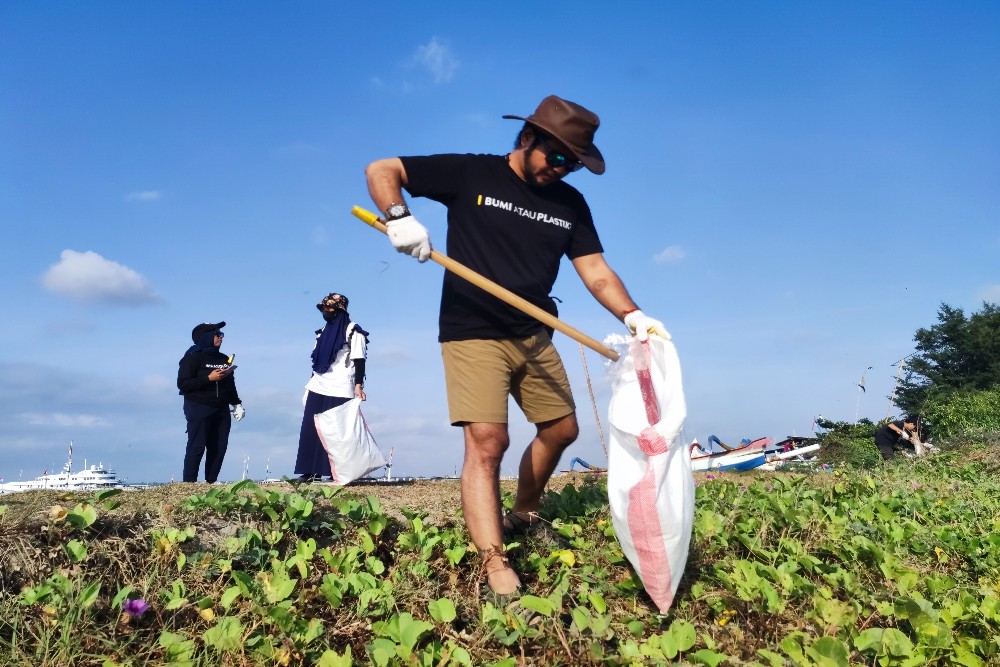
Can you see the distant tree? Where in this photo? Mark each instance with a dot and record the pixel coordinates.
(959, 354)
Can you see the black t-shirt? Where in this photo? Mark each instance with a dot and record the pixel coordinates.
(886, 436)
(506, 231)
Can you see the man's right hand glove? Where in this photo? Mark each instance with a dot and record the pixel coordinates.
(410, 237)
(904, 436)
(642, 326)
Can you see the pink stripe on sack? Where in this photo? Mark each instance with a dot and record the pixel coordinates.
(641, 357)
(644, 525)
(643, 519)
(333, 466)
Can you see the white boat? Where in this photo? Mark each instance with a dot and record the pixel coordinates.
(88, 479)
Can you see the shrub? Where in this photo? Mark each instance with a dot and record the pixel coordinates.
(851, 444)
(963, 412)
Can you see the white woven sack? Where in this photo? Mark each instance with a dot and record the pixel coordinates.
(650, 486)
(348, 442)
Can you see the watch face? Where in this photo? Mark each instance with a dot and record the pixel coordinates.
(397, 211)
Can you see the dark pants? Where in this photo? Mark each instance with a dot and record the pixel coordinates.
(312, 458)
(208, 434)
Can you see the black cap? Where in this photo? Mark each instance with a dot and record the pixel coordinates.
(202, 328)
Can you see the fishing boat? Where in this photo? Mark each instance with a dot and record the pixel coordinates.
(88, 479)
(731, 461)
(760, 453)
(749, 455)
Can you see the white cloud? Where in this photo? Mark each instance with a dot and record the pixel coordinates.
(437, 59)
(990, 294)
(145, 195)
(87, 276)
(672, 253)
(62, 419)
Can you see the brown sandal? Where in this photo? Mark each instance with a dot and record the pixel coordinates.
(518, 526)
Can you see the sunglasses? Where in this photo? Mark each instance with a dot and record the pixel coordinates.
(555, 158)
(219, 334)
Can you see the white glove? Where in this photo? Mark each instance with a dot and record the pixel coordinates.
(239, 412)
(642, 326)
(410, 237)
(904, 436)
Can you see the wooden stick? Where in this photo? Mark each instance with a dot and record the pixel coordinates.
(499, 292)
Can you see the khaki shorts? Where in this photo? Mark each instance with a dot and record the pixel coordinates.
(480, 374)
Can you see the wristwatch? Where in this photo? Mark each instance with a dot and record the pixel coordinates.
(396, 211)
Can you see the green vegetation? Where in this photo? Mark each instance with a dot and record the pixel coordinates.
(849, 443)
(964, 411)
(896, 565)
(957, 357)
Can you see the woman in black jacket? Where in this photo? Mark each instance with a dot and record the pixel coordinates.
(205, 379)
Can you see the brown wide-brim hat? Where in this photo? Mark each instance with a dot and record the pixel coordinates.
(572, 125)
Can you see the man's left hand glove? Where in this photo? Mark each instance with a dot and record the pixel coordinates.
(409, 237)
(239, 412)
(641, 325)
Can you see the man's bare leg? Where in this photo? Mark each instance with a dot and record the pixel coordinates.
(539, 461)
(485, 445)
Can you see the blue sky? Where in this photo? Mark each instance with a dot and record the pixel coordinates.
(792, 187)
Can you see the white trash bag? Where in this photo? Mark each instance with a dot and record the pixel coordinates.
(650, 486)
(348, 442)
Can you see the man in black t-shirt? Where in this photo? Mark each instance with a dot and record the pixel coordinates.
(511, 219)
(895, 433)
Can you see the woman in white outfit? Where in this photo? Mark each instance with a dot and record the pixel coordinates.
(338, 375)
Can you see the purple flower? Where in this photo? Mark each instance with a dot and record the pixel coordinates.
(709, 476)
(135, 608)
(916, 486)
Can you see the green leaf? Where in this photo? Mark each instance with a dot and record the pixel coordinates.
(411, 630)
(581, 618)
(314, 630)
(277, 586)
(178, 647)
(683, 633)
(120, 597)
(333, 659)
(442, 610)
(967, 658)
(226, 635)
(88, 596)
(536, 604)
(82, 516)
(229, 596)
(706, 657)
(76, 550)
(382, 650)
(934, 635)
(774, 659)
(828, 652)
(668, 645)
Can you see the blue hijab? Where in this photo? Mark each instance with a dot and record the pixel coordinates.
(206, 341)
(331, 338)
